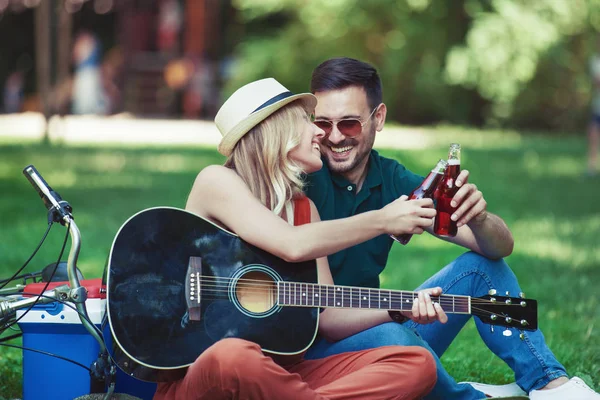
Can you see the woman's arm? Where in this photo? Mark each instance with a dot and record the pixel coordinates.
(221, 195)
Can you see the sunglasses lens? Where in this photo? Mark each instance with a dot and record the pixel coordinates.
(326, 126)
(349, 127)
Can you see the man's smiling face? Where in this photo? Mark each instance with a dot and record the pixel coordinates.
(345, 155)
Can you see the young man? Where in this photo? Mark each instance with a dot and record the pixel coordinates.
(356, 179)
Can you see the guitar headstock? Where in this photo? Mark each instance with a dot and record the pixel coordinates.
(512, 312)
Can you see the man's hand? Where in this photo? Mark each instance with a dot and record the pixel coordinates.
(424, 310)
(484, 233)
(469, 202)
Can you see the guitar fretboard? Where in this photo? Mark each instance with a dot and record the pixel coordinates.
(315, 295)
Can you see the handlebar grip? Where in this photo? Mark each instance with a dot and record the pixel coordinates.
(57, 207)
(41, 186)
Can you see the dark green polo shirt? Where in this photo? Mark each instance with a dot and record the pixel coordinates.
(335, 197)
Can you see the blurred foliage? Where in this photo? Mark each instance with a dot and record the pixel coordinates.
(484, 62)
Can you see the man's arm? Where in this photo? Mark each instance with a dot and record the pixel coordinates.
(489, 237)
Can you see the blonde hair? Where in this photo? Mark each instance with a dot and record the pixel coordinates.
(261, 158)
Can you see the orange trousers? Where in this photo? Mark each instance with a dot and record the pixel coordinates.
(238, 369)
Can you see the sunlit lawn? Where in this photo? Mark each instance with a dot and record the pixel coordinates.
(535, 183)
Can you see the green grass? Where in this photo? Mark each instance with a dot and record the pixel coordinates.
(535, 183)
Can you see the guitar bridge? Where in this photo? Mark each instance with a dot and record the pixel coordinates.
(193, 296)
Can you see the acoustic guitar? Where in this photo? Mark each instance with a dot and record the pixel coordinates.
(177, 283)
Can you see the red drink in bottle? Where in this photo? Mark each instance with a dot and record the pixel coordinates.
(424, 191)
(444, 226)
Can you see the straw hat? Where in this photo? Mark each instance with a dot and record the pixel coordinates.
(250, 105)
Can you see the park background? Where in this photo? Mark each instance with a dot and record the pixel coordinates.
(508, 79)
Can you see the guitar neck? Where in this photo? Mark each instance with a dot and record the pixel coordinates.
(296, 294)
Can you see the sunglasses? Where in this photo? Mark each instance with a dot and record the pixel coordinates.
(346, 126)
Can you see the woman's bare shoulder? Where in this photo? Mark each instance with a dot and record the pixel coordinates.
(216, 175)
(214, 184)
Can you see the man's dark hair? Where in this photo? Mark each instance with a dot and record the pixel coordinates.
(342, 72)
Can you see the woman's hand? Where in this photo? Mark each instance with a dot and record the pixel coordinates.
(408, 216)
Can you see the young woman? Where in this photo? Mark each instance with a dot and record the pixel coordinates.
(271, 143)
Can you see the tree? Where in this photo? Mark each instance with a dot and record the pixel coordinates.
(500, 62)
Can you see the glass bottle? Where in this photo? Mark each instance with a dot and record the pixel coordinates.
(424, 191)
(443, 225)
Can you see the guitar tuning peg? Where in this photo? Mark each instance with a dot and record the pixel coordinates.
(492, 292)
(522, 295)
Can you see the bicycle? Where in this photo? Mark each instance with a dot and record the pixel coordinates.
(62, 291)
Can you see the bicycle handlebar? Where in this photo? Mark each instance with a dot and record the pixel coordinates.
(78, 294)
(58, 211)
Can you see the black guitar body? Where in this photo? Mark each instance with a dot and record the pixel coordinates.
(154, 332)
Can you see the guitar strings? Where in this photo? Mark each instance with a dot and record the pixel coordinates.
(452, 308)
(258, 285)
(354, 303)
(261, 285)
(354, 298)
(220, 285)
(213, 286)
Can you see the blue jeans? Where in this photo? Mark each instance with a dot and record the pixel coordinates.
(473, 275)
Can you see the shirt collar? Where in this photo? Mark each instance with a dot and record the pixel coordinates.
(372, 179)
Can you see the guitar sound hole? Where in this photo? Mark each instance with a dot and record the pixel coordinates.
(256, 292)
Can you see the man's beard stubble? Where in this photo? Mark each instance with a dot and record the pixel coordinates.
(358, 159)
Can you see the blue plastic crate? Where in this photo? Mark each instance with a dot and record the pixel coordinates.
(56, 328)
